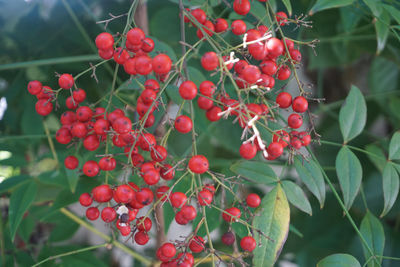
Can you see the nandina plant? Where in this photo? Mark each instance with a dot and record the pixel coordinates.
(136, 158)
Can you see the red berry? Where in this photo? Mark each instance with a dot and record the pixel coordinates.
(242, 7)
(248, 151)
(198, 164)
(295, 121)
(268, 67)
(189, 212)
(104, 41)
(158, 153)
(141, 238)
(130, 66)
(188, 90)
(162, 192)
(305, 138)
(84, 114)
(161, 64)
(107, 163)
(135, 36)
(152, 84)
(204, 103)
(167, 172)
(90, 168)
(85, 199)
(79, 130)
(151, 177)
(71, 162)
(281, 17)
(200, 15)
(168, 250)
(124, 193)
(240, 66)
(238, 27)
(63, 136)
(205, 197)
(146, 141)
(183, 124)
(275, 149)
(295, 55)
(178, 199)
(197, 244)
(71, 103)
(66, 81)
(122, 125)
(43, 107)
(221, 25)
(275, 47)
(208, 28)
(91, 142)
(106, 54)
(92, 213)
(147, 45)
(209, 61)
(300, 104)
(281, 137)
(143, 65)
(253, 200)
(35, 87)
(144, 224)
(228, 238)
(207, 88)
(284, 100)
(212, 113)
(251, 74)
(101, 126)
(232, 214)
(102, 193)
(248, 243)
(284, 73)
(108, 214)
(121, 56)
(79, 95)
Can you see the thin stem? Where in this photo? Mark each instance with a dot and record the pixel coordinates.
(183, 38)
(69, 253)
(353, 148)
(51, 144)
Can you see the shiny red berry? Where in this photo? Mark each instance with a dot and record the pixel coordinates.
(183, 124)
(71, 162)
(253, 200)
(209, 61)
(248, 243)
(66, 81)
(198, 164)
(188, 90)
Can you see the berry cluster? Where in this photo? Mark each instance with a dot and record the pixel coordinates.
(264, 59)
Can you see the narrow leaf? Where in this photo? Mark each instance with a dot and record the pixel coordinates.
(257, 172)
(353, 114)
(394, 147)
(349, 172)
(342, 260)
(296, 196)
(20, 201)
(12, 182)
(311, 176)
(73, 177)
(390, 181)
(326, 4)
(372, 231)
(273, 221)
(288, 6)
(395, 13)
(382, 31)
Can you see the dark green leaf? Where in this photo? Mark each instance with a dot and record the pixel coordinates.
(273, 220)
(372, 231)
(382, 77)
(311, 175)
(394, 146)
(390, 181)
(326, 4)
(353, 114)
(349, 172)
(378, 162)
(255, 171)
(73, 177)
(382, 31)
(20, 201)
(296, 196)
(342, 260)
(12, 182)
(288, 6)
(395, 13)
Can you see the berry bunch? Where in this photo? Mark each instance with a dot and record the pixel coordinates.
(263, 60)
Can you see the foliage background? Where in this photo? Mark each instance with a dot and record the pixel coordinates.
(359, 44)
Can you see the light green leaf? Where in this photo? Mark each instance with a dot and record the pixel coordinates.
(382, 30)
(395, 13)
(342, 260)
(394, 146)
(288, 6)
(390, 181)
(353, 114)
(372, 231)
(326, 4)
(20, 201)
(13, 181)
(273, 220)
(349, 172)
(374, 6)
(255, 171)
(296, 196)
(311, 175)
(73, 177)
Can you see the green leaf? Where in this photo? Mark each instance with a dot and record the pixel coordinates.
(350, 17)
(395, 13)
(73, 177)
(382, 77)
(296, 196)
(349, 172)
(10, 183)
(311, 175)
(374, 6)
(288, 6)
(353, 114)
(372, 231)
(390, 181)
(257, 172)
(342, 260)
(20, 201)
(326, 4)
(378, 162)
(394, 146)
(273, 220)
(382, 31)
